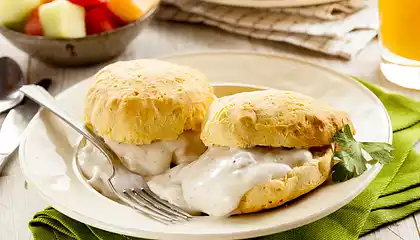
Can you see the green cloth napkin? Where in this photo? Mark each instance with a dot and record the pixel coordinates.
(394, 194)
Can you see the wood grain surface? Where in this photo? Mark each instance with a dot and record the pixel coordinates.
(18, 201)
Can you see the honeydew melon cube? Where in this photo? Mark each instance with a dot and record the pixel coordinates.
(62, 19)
(13, 13)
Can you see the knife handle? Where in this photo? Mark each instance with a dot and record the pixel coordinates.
(3, 161)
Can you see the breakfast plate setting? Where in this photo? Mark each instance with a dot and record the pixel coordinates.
(245, 160)
(104, 137)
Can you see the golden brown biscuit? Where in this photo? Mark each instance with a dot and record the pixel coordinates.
(297, 182)
(271, 118)
(141, 101)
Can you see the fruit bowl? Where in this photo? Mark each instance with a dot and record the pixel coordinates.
(79, 51)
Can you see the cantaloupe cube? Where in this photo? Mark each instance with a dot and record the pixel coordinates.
(13, 13)
(62, 19)
(130, 10)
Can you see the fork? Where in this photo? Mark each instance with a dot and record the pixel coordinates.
(132, 189)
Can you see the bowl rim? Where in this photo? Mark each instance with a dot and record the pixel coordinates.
(129, 25)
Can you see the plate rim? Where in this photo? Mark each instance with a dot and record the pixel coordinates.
(245, 234)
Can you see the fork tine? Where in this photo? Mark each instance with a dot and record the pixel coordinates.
(147, 213)
(147, 205)
(166, 203)
(135, 203)
(155, 202)
(142, 198)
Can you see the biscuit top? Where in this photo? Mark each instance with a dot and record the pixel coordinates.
(271, 118)
(141, 101)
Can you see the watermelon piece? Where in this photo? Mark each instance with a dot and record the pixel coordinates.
(99, 20)
(88, 3)
(33, 25)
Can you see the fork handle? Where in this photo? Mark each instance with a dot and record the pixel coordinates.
(43, 98)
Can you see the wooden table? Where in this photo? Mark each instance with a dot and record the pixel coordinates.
(18, 201)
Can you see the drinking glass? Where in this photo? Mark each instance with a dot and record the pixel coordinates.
(399, 34)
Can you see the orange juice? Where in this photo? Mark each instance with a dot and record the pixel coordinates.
(399, 30)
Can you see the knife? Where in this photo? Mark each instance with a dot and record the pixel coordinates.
(14, 125)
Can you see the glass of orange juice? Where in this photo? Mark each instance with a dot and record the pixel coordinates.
(400, 37)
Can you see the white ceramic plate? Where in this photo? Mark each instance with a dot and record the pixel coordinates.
(270, 3)
(47, 152)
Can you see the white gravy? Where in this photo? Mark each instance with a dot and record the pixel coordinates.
(156, 158)
(216, 182)
(213, 184)
(95, 168)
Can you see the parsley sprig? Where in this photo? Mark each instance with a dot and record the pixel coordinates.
(349, 158)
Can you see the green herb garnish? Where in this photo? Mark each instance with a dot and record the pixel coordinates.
(349, 158)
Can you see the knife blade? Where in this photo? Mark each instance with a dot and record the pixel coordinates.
(15, 124)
